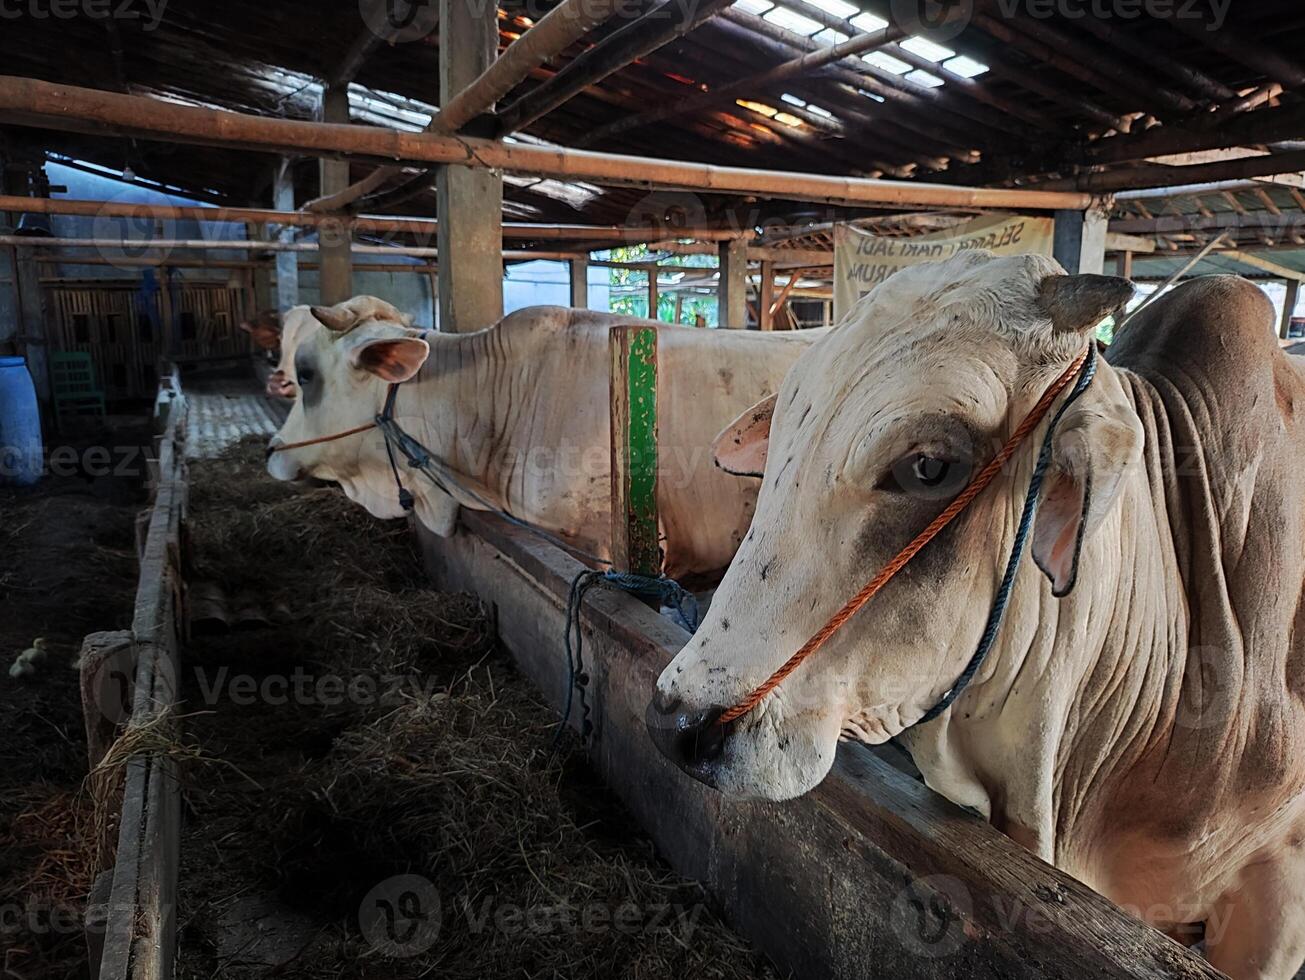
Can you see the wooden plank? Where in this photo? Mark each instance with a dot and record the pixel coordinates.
(140, 919)
(635, 524)
(870, 874)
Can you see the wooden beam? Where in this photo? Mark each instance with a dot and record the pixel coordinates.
(1124, 265)
(1115, 242)
(1160, 176)
(1178, 224)
(753, 85)
(1259, 56)
(638, 39)
(335, 280)
(49, 105)
(378, 29)
(635, 524)
(476, 93)
(1264, 265)
(732, 287)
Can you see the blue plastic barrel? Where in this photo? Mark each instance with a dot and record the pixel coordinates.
(21, 459)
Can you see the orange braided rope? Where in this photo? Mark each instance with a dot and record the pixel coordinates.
(963, 500)
(320, 439)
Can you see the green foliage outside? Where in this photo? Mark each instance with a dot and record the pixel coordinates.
(634, 302)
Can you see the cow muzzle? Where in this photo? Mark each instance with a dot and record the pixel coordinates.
(691, 739)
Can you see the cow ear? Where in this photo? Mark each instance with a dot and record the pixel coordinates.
(392, 359)
(340, 318)
(1092, 450)
(742, 446)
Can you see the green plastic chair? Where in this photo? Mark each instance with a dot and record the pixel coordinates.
(76, 392)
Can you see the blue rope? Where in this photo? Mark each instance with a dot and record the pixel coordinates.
(666, 590)
(1007, 586)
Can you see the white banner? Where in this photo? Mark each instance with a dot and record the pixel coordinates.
(863, 260)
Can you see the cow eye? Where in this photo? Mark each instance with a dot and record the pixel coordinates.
(306, 375)
(927, 476)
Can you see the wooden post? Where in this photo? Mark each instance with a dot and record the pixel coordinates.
(732, 291)
(1289, 306)
(580, 283)
(766, 297)
(1079, 242)
(262, 294)
(470, 236)
(336, 275)
(1124, 265)
(287, 263)
(653, 297)
(635, 546)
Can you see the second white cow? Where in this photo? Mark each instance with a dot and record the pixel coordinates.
(519, 412)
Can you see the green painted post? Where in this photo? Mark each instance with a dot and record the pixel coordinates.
(635, 525)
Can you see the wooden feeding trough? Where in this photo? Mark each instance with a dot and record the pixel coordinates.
(872, 873)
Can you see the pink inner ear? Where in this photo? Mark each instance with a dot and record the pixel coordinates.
(1055, 535)
(392, 360)
(742, 447)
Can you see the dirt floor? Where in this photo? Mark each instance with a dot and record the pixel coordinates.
(378, 792)
(67, 568)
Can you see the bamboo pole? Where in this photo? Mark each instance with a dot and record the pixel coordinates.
(554, 33)
(50, 105)
(362, 224)
(1186, 267)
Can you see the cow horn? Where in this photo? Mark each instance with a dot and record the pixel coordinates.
(1078, 303)
(339, 318)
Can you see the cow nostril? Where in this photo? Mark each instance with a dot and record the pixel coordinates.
(691, 739)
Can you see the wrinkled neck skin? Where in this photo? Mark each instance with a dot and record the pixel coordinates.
(1091, 677)
(477, 404)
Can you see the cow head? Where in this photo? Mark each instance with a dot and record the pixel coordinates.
(876, 428)
(300, 320)
(343, 364)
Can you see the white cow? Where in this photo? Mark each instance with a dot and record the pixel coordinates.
(1143, 729)
(520, 411)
